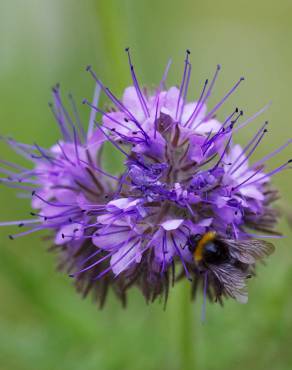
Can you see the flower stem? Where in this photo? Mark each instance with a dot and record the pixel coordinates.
(186, 334)
(112, 17)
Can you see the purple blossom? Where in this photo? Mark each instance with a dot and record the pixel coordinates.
(188, 197)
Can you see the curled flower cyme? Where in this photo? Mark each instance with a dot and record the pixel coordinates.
(189, 202)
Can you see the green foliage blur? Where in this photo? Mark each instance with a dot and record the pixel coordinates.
(44, 324)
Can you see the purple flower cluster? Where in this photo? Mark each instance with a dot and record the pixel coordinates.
(188, 198)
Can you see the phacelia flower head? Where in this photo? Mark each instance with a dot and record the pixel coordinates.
(188, 203)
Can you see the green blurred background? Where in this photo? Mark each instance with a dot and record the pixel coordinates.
(44, 324)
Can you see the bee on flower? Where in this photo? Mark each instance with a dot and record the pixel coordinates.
(189, 202)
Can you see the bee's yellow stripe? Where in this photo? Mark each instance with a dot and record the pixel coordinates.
(206, 238)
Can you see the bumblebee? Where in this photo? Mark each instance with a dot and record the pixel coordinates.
(227, 262)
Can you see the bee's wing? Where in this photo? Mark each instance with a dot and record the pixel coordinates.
(249, 251)
(232, 281)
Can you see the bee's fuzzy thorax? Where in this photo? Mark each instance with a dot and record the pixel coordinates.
(206, 238)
